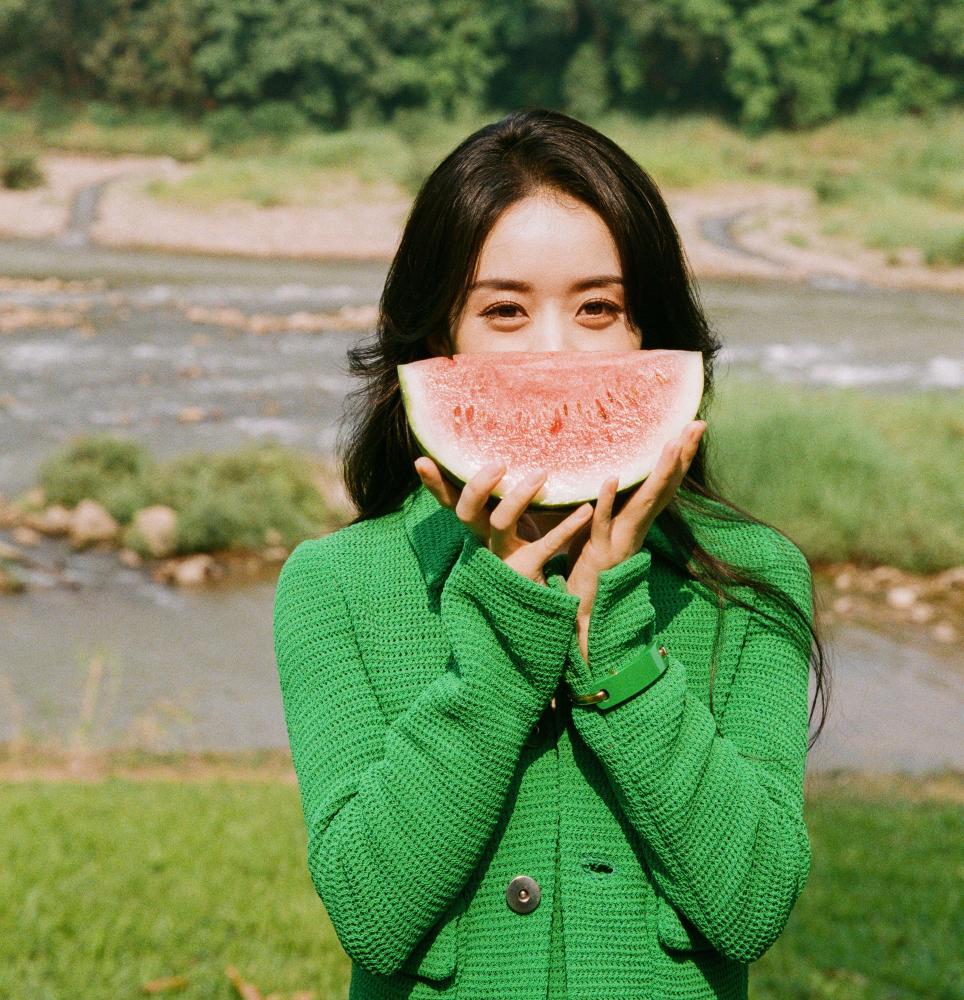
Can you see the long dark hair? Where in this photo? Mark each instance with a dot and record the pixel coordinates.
(427, 286)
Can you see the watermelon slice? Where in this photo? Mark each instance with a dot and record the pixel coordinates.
(583, 416)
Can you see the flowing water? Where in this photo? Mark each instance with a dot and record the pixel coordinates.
(130, 661)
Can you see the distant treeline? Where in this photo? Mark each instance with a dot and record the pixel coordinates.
(336, 63)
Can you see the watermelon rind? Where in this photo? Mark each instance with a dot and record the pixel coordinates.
(630, 478)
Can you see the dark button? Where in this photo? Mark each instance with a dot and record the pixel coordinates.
(523, 894)
(534, 738)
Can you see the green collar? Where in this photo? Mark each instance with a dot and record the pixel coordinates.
(437, 536)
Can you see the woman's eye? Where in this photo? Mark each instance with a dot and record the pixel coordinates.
(496, 311)
(609, 307)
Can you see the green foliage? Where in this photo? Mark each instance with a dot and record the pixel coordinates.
(113, 471)
(227, 127)
(864, 477)
(223, 501)
(20, 171)
(278, 119)
(356, 63)
(231, 500)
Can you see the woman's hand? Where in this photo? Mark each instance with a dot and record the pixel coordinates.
(507, 530)
(613, 539)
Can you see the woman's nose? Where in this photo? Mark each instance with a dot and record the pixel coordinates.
(549, 332)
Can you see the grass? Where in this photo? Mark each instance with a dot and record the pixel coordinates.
(888, 182)
(110, 884)
(847, 474)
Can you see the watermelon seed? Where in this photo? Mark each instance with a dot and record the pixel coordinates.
(469, 412)
(660, 375)
(602, 411)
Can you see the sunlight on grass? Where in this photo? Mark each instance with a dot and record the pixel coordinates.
(890, 183)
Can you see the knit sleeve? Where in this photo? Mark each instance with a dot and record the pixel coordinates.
(398, 815)
(719, 810)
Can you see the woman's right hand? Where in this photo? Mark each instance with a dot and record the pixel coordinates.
(498, 529)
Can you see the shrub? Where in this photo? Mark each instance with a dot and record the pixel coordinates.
(278, 119)
(21, 171)
(227, 127)
(113, 471)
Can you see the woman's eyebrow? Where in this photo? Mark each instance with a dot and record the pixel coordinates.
(509, 284)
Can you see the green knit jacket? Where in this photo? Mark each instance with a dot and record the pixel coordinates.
(418, 673)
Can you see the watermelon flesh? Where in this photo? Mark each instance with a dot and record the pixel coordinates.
(582, 416)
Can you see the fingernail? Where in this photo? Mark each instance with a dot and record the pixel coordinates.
(492, 468)
(535, 476)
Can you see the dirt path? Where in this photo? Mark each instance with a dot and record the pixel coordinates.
(734, 231)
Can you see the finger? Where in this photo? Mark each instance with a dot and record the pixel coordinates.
(689, 441)
(647, 497)
(445, 492)
(602, 518)
(530, 559)
(471, 504)
(503, 519)
(554, 539)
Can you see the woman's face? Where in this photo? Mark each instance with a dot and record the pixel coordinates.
(548, 279)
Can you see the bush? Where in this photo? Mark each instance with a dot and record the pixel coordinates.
(20, 171)
(223, 500)
(227, 127)
(113, 471)
(227, 501)
(277, 119)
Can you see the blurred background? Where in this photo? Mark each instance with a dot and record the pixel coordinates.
(198, 203)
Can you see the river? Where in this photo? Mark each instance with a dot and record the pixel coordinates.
(194, 669)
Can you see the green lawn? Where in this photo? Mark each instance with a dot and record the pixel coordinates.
(110, 884)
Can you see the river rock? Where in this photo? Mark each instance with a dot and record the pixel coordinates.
(885, 576)
(157, 525)
(944, 632)
(23, 534)
(189, 572)
(190, 414)
(843, 605)
(91, 522)
(52, 520)
(10, 552)
(949, 579)
(901, 597)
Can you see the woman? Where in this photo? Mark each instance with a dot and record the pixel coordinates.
(479, 822)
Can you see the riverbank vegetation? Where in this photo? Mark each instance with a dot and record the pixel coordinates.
(850, 476)
(191, 875)
(884, 181)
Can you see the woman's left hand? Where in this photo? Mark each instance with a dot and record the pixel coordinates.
(613, 539)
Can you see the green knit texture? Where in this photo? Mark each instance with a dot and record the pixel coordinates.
(417, 670)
